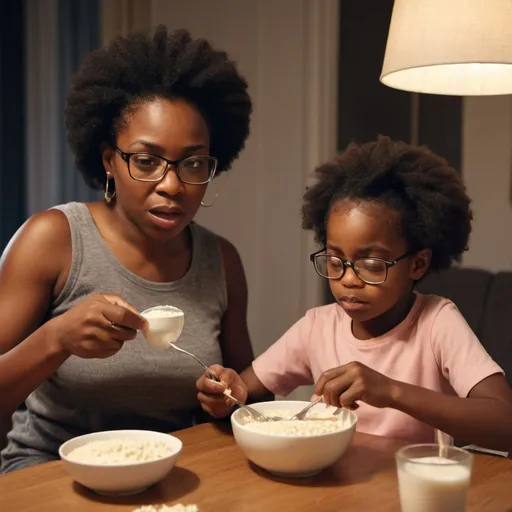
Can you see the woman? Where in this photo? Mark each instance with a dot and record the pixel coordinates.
(151, 121)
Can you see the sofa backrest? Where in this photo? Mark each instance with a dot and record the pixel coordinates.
(466, 287)
(496, 329)
(485, 301)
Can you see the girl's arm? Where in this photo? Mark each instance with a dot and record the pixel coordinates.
(279, 370)
(481, 413)
(483, 418)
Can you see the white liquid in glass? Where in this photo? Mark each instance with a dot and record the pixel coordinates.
(433, 484)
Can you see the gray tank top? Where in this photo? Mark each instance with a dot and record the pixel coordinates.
(140, 387)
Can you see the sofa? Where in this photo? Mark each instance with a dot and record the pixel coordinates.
(485, 300)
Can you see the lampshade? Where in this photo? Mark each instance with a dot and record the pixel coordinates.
(451, 47)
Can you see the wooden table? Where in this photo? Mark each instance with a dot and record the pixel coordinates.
(214, 474)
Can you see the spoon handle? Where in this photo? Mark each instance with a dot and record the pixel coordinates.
(210, 373)
(253, 412)
(301, 414)
(257, 415)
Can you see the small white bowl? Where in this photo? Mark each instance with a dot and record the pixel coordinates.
(120, 479)
(292, 456)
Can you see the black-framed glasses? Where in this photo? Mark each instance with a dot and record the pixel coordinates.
(194, 170)
(369, 270)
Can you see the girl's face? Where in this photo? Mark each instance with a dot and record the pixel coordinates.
(171, 129)
(363, 229)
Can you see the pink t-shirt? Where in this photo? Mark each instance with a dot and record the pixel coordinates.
(433, 348)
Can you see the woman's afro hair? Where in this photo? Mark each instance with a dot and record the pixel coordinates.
(138, 68)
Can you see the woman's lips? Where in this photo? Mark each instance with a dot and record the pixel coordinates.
(166, 218)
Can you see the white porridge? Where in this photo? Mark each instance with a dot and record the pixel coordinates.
(168, 508)
(307, 427)
(120, 451)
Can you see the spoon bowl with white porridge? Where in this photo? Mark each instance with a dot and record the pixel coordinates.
(164, 325)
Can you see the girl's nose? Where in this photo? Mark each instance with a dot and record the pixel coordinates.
(350, 278)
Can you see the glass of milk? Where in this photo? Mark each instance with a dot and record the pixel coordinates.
(430, 480)
(164, 325)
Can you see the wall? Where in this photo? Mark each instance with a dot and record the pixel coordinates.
(368, 108)
(120, 17)
(474, 134)
(487, 168)
(287, 49)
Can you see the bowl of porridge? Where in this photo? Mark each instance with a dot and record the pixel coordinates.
(120, 462)
(296, 448)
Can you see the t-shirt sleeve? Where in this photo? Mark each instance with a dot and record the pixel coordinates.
(286, 365)
(459, 353)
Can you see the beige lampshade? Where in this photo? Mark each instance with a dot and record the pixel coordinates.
(451, 47)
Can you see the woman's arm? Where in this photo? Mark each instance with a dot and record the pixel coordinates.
(33, 272)
(235, 340)
(235, 343)
(34, 265)
(280, 369)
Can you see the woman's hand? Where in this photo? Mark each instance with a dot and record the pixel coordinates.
(96, 328)
(344, 385)
(210, 393)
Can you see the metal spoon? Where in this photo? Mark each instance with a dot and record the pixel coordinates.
(258, 416)
(302, 413)
(183, 351)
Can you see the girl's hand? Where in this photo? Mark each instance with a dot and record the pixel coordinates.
(210, 393)
(344, 385)
(96, 328)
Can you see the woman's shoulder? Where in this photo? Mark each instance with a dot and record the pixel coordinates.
(43, 230)
(228, 250)
(41, 249)
(230, 254)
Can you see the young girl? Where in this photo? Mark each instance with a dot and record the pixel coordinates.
(385, 213)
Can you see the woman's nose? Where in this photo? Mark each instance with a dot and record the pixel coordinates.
(170, 183)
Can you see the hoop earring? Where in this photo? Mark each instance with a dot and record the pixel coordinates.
(209, 205)
(109, 196)
(204, 205)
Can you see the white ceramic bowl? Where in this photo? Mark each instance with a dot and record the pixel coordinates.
(296, 456)
(118, 479)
